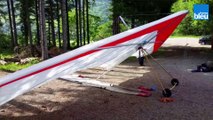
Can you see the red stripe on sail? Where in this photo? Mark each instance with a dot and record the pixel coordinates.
(163, 32)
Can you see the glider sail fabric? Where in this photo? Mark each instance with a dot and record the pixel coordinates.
(105, 53)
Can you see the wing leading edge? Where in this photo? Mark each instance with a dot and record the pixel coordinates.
(91, 55)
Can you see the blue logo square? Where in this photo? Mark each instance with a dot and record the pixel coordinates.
(201, 11)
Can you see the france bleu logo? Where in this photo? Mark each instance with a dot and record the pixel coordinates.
(201, 11)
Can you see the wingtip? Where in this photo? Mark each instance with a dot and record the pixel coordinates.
(185, 11)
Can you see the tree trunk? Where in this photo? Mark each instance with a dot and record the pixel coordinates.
(30, 37)
(43, 30)
(77, 27)
(52, 23)
(64, 23)
(10, 19)
(24, 16)
(37, 23)
(29, 32)
(87, 14)
(28, 26)
(84, 31)
(49, 33)
(115, 25)
(14, 24)
(80, 22)
(58, 19)
(133, 21)
(68, 33)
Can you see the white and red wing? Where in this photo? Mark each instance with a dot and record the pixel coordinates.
(103, 53)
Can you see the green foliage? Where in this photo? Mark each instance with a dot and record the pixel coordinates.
(72, 28)
(3, 13)
(142, 11)
(94, 23)
(5, 53)
(189, 26)
(103, 31)
(5, 42)
(12, 67)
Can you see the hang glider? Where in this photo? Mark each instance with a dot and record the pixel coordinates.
(105, 53)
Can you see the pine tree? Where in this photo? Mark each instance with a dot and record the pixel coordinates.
(43, 30)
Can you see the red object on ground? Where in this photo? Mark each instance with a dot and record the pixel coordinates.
(81, 76)
(166, 99)
(144, 94)
(142, 88)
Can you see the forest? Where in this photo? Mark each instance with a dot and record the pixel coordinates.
(46, 28)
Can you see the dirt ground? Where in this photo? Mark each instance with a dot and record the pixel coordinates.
(70, 101)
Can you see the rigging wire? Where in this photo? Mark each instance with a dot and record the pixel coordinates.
(159, 64)
(155, 73)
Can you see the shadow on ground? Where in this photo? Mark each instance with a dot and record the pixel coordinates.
(68, 101)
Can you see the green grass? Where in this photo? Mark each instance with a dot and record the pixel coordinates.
(6, 54)
(12, 67)
(185, 36)
(131, 59)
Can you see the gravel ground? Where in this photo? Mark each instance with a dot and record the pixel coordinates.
(183, 41)
(69, 101)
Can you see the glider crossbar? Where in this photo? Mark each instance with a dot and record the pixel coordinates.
(123, 45)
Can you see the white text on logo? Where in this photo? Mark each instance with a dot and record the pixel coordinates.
(201, 16)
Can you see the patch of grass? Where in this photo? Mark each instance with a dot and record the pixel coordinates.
(131, 59)
(184, 36)
(12, 67)
(6, 54)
